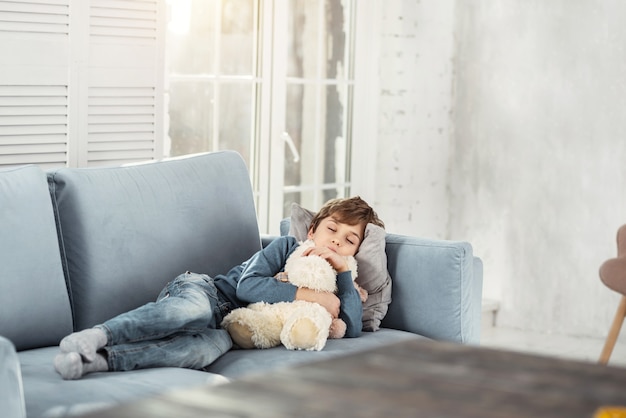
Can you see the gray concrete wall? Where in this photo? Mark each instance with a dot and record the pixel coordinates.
(538, 165)
(534, 129)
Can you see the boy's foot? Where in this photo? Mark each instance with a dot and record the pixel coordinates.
(86, 343)
(71, 366)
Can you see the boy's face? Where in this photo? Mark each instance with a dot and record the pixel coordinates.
(341, 238)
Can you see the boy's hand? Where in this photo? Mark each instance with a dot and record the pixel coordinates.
(328, 300)
(338, 262)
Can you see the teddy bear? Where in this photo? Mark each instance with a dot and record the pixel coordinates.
(298, 325)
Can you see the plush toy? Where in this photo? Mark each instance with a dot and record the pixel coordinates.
(298, 325)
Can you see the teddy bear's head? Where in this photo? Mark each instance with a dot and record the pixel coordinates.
(316, 273)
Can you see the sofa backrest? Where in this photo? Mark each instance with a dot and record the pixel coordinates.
(127, 231)
(34, 305)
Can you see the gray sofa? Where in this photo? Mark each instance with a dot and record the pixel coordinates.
(78, 246)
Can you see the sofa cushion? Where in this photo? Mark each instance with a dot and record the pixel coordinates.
(49, 396)
(371, 266)
(11, 388)
(34, 306)
(127, 231)
(239, 363)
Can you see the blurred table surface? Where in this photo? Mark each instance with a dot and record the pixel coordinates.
(417, 378)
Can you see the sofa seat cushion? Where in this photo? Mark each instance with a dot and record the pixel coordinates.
(238, 363)
(34, 306)
(47, 395)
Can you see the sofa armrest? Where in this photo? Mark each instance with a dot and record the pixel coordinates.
(11, 389)
(437, 288)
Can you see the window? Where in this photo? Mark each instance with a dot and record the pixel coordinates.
(272, 80)
(213, 76)
(86, 85)
(318, 96)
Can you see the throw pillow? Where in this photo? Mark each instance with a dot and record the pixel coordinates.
(371, 266)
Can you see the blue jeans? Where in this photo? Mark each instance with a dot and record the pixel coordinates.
(180, 329)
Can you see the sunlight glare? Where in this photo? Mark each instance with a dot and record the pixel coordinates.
(180, 16)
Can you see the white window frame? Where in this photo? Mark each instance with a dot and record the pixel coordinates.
(366, 100)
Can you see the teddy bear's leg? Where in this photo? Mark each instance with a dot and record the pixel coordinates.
(252, 327)
(241, 334)
(306, 327)
(303, 334)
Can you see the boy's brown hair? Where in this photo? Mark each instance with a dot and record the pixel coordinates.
(351, 211)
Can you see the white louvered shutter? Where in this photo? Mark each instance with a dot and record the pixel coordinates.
(124, 95)
(81, 81)
(34, 82)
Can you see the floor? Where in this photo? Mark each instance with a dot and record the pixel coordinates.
(576, 348)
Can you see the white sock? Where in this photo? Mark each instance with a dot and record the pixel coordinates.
(86, 343)
(71, 366)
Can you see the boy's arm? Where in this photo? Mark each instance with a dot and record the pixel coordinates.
(328, 300)
(351, 311)
(257, 282)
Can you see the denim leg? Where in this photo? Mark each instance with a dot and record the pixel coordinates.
(178, 330)
(186, 305)
(188, 350)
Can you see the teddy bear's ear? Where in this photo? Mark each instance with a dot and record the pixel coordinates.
(306, 244)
